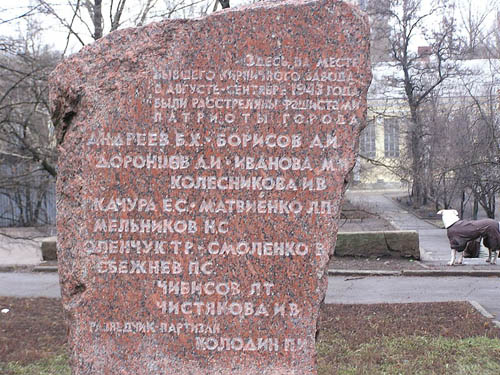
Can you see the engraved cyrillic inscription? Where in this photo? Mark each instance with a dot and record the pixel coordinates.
(264, 90)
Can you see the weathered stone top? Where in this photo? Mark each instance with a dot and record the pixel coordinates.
(202, 166)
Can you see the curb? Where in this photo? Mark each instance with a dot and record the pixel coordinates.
(45, 269)
(471, 273)
(419, 273)
(7, 268)
(334, 272)
(16, 268)
(484, 313)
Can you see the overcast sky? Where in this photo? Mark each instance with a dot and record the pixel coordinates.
(55, 35)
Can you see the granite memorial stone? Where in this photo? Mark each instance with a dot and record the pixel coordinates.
(201, 170)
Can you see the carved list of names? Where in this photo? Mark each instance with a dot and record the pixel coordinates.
(234, 152)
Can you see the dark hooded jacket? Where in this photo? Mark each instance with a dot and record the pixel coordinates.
(464, 231)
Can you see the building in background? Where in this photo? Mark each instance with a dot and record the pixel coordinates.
(379, 28)
(383, 143)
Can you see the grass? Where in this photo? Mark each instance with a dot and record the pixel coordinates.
(410, 339)
(53, 365)
(416, 355)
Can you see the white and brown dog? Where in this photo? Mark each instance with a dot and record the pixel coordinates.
(460, 232)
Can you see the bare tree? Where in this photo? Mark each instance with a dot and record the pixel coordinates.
(473, 33)
(27, 145)
(25, 128)
(464, 147)
(89, 20)
(27, 148)
(484, 161)
(418, 73)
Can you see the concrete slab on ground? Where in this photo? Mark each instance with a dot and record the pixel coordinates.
(434, 245)
(21, 246)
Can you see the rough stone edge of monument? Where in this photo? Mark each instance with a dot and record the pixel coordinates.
(268, 4)
(60, 109)
(72, 105)
(59, 113)
(73, 90)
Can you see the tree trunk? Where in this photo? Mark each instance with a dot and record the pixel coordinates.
(417, 190)
(490, 210)
(97, 20)
(475, 209)
(419, 194)
(462, 204)
(224, 4)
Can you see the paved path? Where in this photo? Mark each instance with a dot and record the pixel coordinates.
(381, 203)
(27, 284)
(434, 245)
(355, 290)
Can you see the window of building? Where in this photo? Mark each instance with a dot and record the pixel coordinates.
(391, 138)
(367, 141)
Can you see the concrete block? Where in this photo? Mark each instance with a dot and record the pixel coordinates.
(378, 244)
(20, 246)
(403, 243)
(49, 248)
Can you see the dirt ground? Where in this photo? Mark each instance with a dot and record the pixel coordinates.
(447, 319)
(433, 338)
(356, 219)
(34, 328)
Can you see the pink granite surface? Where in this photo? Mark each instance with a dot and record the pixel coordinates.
(201, 170)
